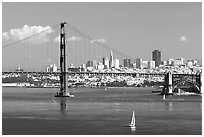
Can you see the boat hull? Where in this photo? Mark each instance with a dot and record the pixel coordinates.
(132, 127)
(71, 96)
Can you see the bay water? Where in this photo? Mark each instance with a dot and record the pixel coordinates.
(96, 111)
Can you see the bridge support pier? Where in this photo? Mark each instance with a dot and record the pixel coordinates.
(198, 80)
(168, 89)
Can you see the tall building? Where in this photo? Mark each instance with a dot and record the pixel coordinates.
(100, 66)
(117, 63)
(138, 63)
(156, 56)
(111, 62)
(151, 64)
(127, 63)
(105, 63)
(95, 65)
(89, 64)
(144, 65)
(103, 60)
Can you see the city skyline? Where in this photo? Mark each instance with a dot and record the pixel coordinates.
(138, 29)
(128, 63)
(139, 63)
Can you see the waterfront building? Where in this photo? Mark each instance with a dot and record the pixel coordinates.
(52, 68)
(138, 63)
(89, 68)
(164, 63)
(73, 69)
(83, 67)
(189, 63)
(179, 62)
(71, 66)
(195, 62)
(19, 68)
(156, 56)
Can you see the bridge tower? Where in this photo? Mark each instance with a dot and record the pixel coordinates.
(168, 89)
(198, 80)
(63, 67)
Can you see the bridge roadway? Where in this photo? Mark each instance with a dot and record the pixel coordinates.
(85, 73)
(97, 73)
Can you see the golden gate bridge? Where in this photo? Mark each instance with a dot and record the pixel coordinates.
(64, 44)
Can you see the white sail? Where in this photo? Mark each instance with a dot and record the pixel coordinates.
(132, 123)
(164, 97)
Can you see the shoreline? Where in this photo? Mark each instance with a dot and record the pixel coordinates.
(76, 87)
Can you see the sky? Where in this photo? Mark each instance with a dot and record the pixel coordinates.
(133, 28)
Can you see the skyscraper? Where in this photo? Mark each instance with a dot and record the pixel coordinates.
(156, 56)
(105, 63)
(111, 62)
(138, 63)
(117, 63)
(127, 63)
(95, 65)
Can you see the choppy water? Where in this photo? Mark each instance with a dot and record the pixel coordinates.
(96, 111)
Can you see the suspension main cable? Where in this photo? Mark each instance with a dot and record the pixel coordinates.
(96, 41)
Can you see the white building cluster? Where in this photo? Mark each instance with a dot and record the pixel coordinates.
(51, 68)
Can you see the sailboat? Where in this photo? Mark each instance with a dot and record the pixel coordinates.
(132, 123)
(164, 97)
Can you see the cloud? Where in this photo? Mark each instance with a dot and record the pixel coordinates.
(5, 36)
(183, 39)
(73, 38)
(27, 31)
